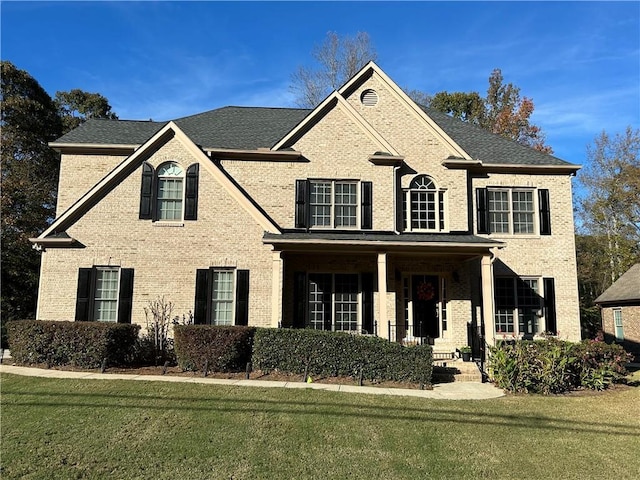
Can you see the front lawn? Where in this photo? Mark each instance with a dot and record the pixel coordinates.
(127, 429)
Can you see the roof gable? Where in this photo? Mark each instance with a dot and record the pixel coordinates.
(132, 163)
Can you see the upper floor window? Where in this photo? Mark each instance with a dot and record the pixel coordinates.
(512, 211)
(170, 189)
(424, 206)
(168, 194)
(333, 204)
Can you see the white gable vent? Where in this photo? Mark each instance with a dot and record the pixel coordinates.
(369, 98)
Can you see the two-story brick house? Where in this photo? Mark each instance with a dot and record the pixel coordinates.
(366, 214)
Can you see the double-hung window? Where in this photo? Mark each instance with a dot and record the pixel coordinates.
(105, 302)
(519, 306)
(104, 294)
(334, 302)
(512, 211)
(169, 194)
(170, 187)
(222, 296)
(424, 206)
(333, 204)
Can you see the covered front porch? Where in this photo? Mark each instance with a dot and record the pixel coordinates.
(405, 288)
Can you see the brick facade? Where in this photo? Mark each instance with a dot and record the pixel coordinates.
(336, 145)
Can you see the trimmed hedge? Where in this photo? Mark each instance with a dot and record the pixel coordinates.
(79, 344)
(340, 354)
(555, 366)
(226, 349)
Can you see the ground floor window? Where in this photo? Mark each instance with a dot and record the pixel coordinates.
(340, 302)
(617, 323)
(105, 302)
(518, 306)
(222, 296)
(104, 294)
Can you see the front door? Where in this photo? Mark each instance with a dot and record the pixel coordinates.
(425, 305)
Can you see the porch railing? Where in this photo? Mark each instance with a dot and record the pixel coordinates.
(408, 333)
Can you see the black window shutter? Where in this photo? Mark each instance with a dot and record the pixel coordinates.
(84, 295)
(201, 309)
(545, 211)
(191, 193)
(125, 299)
(367, 302)
(302, 203)
(550, 304)
(366, 198)
(146, 192)
(242, 297)
(482, 203)
(299, 299)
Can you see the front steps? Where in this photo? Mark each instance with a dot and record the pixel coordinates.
(455, 370)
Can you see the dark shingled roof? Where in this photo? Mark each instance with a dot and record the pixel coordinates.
(244, 128)
(624, 290)
(418, 238)
(112, 132)
(488, 147)
(250, 128)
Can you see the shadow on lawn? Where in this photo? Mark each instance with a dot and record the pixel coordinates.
(431, 413)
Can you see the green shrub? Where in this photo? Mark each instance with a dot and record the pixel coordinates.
(340, 354)
(224, 349)
(79, 344)
(555, 366)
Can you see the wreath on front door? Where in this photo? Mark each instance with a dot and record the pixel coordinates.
(426, 291)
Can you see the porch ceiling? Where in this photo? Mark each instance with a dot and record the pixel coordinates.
(463, 244)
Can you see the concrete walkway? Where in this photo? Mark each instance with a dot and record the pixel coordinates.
(442, 391)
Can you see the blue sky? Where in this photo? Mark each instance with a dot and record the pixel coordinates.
(578, 61)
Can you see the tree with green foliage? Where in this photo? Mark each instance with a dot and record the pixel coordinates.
(608, 243)
(337, 59)
(29, 182)
(76, 106)
(30, 120)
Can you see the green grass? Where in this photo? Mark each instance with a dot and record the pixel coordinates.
(115, 429)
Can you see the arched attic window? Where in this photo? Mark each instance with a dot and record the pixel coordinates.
(424, 206)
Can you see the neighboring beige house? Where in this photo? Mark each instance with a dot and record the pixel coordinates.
(368, 214)
(620, 308)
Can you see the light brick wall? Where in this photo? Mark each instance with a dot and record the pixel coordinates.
(422, 148)
(335, 148)
(543, 255)
(165, 258)
(78, 173)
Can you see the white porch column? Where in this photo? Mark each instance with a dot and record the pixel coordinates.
(382, 293)
(487, 300)
(276, 289)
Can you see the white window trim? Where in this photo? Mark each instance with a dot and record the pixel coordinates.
(536, 211)
(445, 207)
(177, 222)
(94, 293)
(619, 338)
(358, 204)
(234, 282)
